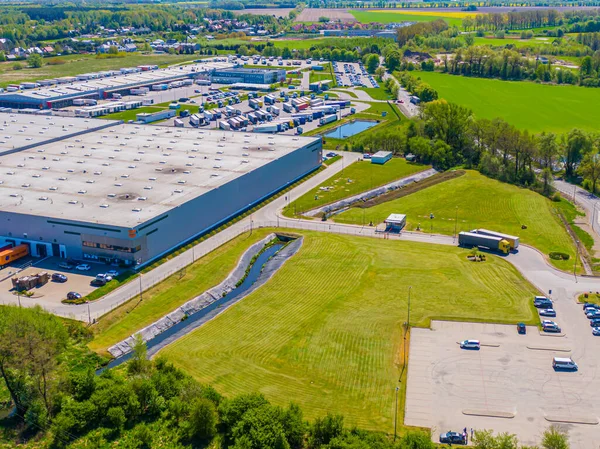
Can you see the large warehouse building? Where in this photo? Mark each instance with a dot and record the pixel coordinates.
(60, 93)
(130, 193)
(247, 76)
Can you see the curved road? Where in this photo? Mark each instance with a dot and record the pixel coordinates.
(528, 261)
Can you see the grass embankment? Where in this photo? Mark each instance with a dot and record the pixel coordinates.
(165, 297)
(479, 202)
(76, 64)
(326, 331)
(453, 18)
(592, 297)
(377, 93)
(524, 104)
(356, 178)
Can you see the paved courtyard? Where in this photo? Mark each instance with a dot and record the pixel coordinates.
(509, 385)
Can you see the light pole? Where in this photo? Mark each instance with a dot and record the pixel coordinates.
(576, 257)
(89, 314)
(408, 310)
(455, 221)
(140, 278)
(396, 414)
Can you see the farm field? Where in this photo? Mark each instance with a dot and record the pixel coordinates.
(76, 64)
(398, 15)
(478, 202)
(313, 15)
(161, 299)
(527, 105)
(356, 178)
(326, 331)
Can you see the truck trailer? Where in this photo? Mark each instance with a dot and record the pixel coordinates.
(9, 255)
(472, 240)
(327, 119)
(511, 239)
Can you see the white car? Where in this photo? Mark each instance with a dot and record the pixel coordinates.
(470, 344)
(112, 273)
(83, 267)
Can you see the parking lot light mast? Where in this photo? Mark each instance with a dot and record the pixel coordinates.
(576, 257)
(396, 414)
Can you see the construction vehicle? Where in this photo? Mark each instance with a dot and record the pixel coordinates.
(472, 240)
(10, 255)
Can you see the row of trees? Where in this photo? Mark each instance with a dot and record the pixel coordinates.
(418, 87)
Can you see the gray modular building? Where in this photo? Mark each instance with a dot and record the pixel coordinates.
(247, 76)
(131, 193)
(101, 85)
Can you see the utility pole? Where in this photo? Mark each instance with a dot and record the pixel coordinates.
(408, 311)
(455, 221)
(19, 297)
(89, 314)
(140, 277)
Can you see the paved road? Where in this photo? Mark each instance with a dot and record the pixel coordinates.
(590, 202)
(406, 107)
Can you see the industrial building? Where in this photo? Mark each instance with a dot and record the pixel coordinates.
(60, 93)
(131, 193)
(381, 157)
(247, 76)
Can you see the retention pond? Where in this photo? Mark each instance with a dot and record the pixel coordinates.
(350, 129)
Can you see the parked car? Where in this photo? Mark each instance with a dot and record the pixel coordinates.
(98, 282)
(564, 363)
(453, 438)
(548, 312)
(65, 266)
(521, 328)
(104, 277)
(592, 314)
(550, 326)
(542, 303)
(112, 273)
(596, 331)
(73, 295)
(184, 99)
(589, 305)
(470, 344)
(83, 267)
(595, 322)
(331, 154)
(59, 277)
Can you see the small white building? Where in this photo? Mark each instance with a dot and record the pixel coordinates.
(395, 222)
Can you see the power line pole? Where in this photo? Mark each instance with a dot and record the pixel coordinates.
(396, 414)
(576, 257)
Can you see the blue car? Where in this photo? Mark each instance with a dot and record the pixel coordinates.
(453, 438)
(596, 331)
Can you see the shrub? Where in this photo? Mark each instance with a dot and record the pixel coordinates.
(555, 255)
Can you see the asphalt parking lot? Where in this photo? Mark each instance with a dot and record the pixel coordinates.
(351, 74)
(508, 385)
(52, 292)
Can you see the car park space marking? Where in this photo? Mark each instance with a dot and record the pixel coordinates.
(578, 420)
(548, 348)
(489, 413)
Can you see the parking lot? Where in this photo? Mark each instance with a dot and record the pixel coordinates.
(349, 74)
(51, 293)
(508, 385)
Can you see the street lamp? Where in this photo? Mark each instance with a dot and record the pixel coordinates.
(576, 257)
(396, 414)
(455, 221)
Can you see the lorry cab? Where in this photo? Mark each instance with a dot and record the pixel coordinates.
(504, 246)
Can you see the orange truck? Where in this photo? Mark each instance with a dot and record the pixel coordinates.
(9, 255)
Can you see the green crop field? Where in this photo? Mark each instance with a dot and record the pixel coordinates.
(165, 297)
(326, 331)
(75, 64)
(527, 105)
(482, 203)
(393, 16)
(356, 178)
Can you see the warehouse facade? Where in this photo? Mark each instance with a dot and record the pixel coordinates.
(247, 76)
(98, 200)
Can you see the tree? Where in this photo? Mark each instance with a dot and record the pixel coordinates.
(575, 146)
(555, 438)
(243, 50)
(392, 61)
(139, 361)
(372, 62)
(469, 40)
(380, 72)
(590, 167)
(202, 423)
(113, 50)
(427, 93)
(325, 429)
(35, 60)
(323, 19)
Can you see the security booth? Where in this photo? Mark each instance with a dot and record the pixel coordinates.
(395, 223)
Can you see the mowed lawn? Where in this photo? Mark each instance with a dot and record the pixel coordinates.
(393, 16)
(527, 105)
(482, 203)
(356, 178)
(326, 331)
(165, 297)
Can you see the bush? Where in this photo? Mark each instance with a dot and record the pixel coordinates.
(556, 197)
(555, 255)
(17, 66)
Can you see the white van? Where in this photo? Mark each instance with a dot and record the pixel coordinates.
(564, 363)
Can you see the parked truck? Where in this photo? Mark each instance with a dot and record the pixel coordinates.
(472, 240)
(511, 239)
(10, 255)
(328, 119)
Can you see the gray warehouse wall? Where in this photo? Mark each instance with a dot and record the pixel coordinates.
(196, 216)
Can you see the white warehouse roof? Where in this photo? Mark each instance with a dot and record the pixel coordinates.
(128, 174)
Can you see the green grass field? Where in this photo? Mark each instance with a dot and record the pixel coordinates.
(297, 44)
(527, 105)
(326, 331)
(377, 93)
(482, 203)
(509, 41)
(171, 293)
(356, 178)
(76, 64)
(393, 16)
